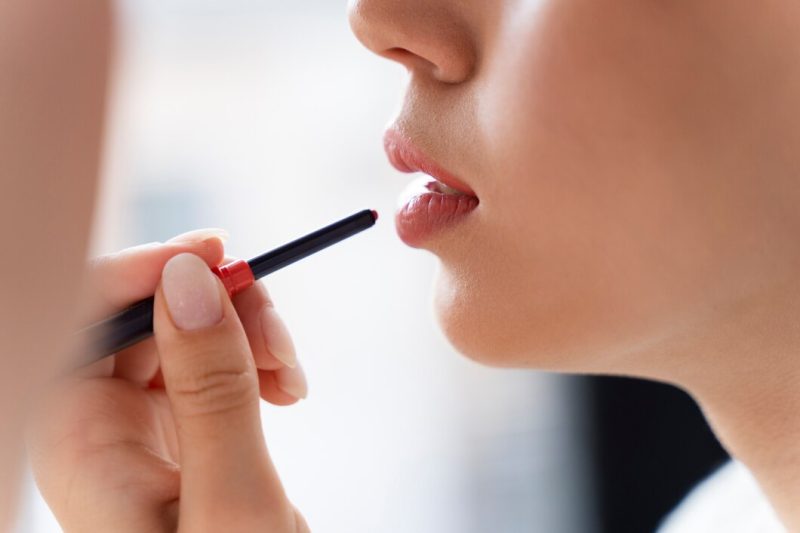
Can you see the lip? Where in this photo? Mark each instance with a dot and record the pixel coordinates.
(427, 210)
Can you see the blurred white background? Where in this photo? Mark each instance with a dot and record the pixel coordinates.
(265, 117)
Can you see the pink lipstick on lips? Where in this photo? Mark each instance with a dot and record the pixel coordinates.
(431, 204)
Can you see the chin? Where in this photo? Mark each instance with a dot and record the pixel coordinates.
(503, 325)
(475, 322)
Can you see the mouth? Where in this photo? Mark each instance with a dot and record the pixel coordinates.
(432, 204)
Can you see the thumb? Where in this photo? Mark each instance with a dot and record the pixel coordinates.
(228, 481)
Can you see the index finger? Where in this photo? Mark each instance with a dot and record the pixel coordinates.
(116, 281)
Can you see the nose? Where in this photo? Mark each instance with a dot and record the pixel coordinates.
(426, 36)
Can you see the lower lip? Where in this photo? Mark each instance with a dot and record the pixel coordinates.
(427, 213)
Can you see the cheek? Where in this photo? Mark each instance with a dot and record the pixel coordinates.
(523, 299)
(554, 256)
(597, 234)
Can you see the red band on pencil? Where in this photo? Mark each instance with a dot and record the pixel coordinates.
(236, 277)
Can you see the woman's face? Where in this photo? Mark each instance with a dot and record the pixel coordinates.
(633, 162)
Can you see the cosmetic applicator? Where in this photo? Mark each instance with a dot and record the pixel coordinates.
(135, 324)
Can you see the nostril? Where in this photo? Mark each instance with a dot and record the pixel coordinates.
(425, 37)
(410, 60)
(419, 64)
(397, 53)
(400, 55)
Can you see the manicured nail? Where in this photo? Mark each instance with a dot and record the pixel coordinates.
(277, 338)
(201, 235)
(191, 292)
(292, 381)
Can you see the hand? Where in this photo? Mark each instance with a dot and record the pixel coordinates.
(166, 436)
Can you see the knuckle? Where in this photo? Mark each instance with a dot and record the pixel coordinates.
(210, 391)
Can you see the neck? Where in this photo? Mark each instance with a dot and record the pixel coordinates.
(748, 384)
(761, 428)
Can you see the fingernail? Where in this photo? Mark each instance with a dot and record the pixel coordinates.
(277, 338)
(200, 235)
(191, 292)
(292, 381)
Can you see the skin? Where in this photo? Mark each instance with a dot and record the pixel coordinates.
(637, 168)
(167, 435)
(53, 65)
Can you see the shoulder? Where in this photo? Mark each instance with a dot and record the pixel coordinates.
(729, 501)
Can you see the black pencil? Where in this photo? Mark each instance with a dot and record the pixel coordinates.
(135, 324)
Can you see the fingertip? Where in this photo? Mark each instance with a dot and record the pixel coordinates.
(210, 249)
(200, 235)
(278, 341)
(271, 392)
(215, 250)
(211, 242)
(250, 305)
(292, 381)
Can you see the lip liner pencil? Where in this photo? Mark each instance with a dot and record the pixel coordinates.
(135, 324)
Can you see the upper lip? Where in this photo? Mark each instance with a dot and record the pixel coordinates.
(406, 157)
